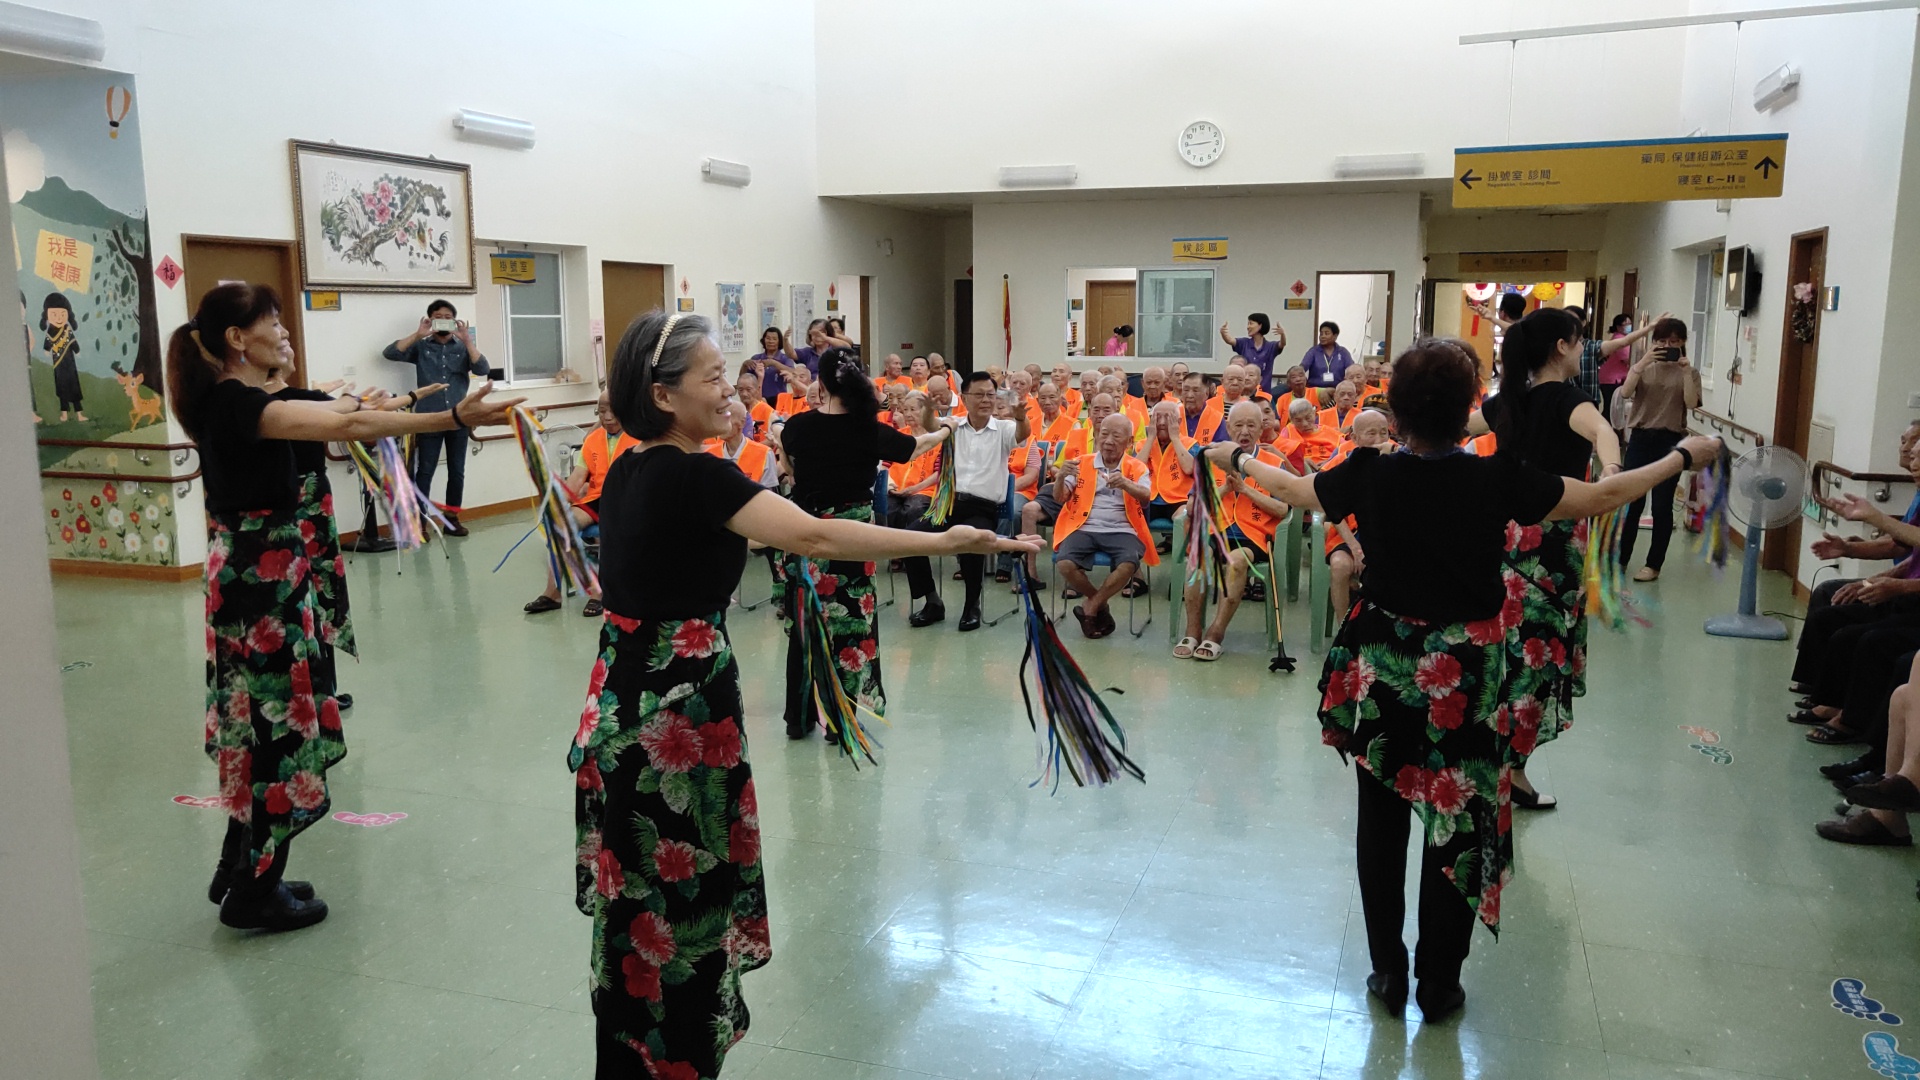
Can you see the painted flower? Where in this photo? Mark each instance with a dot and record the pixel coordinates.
(652, 938)
(671, 743)
(278, 800)
(743, 843)
(720, 744)
(1437, 674)
(674, 860)
(695, 638)
(133, 543)
(307, 790)
(643, 979)
(384, 190)
(1448, 791)
(103, 543)
(83, 525)
(1516, 585)
(54, 514)
(608, 879)
(108, 491)
(302, 717)
(1448, 712)
(67, 494)
(1360, 678)
(66, 534)
(161, 543)
(94, 502)
(1534, 652)
(134, 517)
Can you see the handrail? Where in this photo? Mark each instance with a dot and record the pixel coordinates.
(61, 474)
(1723, 425)
(181, 453)
(1828, 476)
(110, 445)
(539, 412)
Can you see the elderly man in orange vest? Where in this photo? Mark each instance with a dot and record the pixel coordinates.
(1103, 511)
(1251, 516)
(752, 458)
(597, 452)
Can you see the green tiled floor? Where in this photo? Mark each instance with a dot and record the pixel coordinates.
(936, 916)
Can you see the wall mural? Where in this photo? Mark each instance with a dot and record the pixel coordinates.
(85, 262)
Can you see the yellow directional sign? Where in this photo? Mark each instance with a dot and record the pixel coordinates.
(1638, 170)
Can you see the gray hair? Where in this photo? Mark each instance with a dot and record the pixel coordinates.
(634, 370)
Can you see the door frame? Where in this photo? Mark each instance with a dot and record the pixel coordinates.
(1319, 315)
(1793, 396)
(1099, 349)
(292, 314)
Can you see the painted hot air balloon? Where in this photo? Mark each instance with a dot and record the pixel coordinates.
(119, 101)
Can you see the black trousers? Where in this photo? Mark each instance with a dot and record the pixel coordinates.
(967, 510)
(1815, 648)
(1446, 922)
(426, 458)
(1862, 669)
(1644, 447)
(241, 878)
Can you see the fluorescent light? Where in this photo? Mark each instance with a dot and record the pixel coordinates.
(486, 127)
(732, 173)
(1778, 88)
(1367, 166)
(1038, 175)
(48, 33)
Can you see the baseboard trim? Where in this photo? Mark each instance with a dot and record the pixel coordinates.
(511, 506)
(131, 571)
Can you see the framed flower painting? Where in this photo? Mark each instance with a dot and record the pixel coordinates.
(377, 222)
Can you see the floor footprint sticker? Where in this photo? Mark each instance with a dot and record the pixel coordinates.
(1883, 1054)
(1850, 997)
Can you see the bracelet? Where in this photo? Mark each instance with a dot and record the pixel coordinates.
(413, 398)
(458, 424)
(1686, 459)
(1234, 459)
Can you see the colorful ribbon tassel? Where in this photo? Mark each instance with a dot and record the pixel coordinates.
(1081, 738)
(1716, 482)
(844, 720)
(383, 470)
(1206, 528)
(941, 506)
(566, 550)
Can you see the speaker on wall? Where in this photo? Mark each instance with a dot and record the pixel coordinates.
(1743, 280)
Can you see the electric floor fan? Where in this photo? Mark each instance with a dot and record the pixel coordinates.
(1767, 488)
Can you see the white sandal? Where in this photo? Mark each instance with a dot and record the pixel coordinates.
(1183, 649)
(1209, 651)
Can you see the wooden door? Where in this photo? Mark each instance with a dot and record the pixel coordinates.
(867, 345)
(1793, 406)
(210, 260)
(1109, 304)
(963, 326)
(1630, 294)
(629, 290)
(1600, 316)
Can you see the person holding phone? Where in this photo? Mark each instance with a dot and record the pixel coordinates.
(443, 354)
(1659, 389)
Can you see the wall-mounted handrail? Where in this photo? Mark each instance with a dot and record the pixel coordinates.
(133, 478)
(539, 412)
(110, 445)
(1828, 477)
(1723, 426)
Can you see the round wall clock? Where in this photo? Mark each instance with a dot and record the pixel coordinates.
(1202, 143)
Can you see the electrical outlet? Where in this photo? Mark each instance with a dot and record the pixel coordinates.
(1913, 400)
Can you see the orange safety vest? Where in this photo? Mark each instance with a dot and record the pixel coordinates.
(1299, 449)
(598, 456)
(790, 404)
(752, 461)
(1079, 505)
(1136, 410)
(906, 474)
(1330, 417)
(1211, 418)
(1055, 432)
(762, 414)
(1255, 522)
(1070, 402)
(1017, 466)
(1171, 483)
(1483, 445)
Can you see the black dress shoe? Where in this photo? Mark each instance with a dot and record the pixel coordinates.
(1390, 989)
(454, 528)
(1840, 770)
(279, 910)
(345, 701)
(1438, 1004)
(1842, 783)
(969, 620)
(799, 731)
(931, 612)
(217, 888)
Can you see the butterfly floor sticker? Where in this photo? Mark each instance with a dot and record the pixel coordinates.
(371, 821)
(1850, 997)
(1883, 1054)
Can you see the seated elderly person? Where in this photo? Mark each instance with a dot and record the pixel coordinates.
(1305, 442)
(910, 484)
(597, 453)
(1054, 424)
(1345, 558)
(759, 413)
(793, 400)
(1346, 405)
(1251, 516)
(755, 459)
(1103, 500)
(1162, 452)
(1297, 389)
(1026, 465)
(940, 395)
(1089, 386)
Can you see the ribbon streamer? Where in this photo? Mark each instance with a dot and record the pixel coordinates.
(1716, 482)
(1206, 528)
(843, 719)
(1608, 598)
(940, 507)
(1081, 738)
(566, 551)
(383, 470)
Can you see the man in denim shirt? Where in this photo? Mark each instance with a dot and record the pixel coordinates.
(441, 351)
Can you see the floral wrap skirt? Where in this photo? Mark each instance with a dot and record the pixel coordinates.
(322, 535)
(1418, 705)
(273, 727)
(668, 847)
(852, 622)
(1546, 574)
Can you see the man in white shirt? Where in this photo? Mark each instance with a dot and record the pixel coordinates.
(981, 445)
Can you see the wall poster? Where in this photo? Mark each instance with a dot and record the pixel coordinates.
(733, 316)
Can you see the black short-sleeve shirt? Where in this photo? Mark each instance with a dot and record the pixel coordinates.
(834, 457)
(1436, 528)
(308, 457)
(1542, 437)
(665, 551)
(241, 470)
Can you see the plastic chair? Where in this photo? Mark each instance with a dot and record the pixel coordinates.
(1143, 574)
(1008, 525)
(1263, 572)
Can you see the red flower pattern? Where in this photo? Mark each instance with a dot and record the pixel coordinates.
(267, 635)
(674, 860)
(1449, 712)
(696, 638)
(743, 843)
(608, 878)
(1534, 652)
(1437, 674)
(307, 790)
(275, 565)
(1411, 782)
(671, 743)
(643, 979)
(826, 585)
(652, 938)
(720, 744)
(1448, 791)
(278, 800)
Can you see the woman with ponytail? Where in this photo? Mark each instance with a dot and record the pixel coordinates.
(1543, 418)
(668, 823)
(273, 724)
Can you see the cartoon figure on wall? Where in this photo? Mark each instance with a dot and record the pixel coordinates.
(63, 352)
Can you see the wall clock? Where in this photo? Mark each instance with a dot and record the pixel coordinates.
(1202, 143)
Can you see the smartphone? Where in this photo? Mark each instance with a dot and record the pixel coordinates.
(443, 326)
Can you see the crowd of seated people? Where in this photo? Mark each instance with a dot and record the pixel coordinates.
(1854, 662)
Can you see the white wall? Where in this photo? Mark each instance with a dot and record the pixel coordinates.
(1357, 304)
(939, 97)
(1273, 241)
(622, 125)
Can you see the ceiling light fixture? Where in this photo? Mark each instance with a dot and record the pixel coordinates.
(730, 173)
(1379, 166)
(1038, 175)
(500, 130)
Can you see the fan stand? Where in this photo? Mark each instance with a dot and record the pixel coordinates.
(1748, 622)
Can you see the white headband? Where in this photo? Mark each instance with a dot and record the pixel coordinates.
(660, 345)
